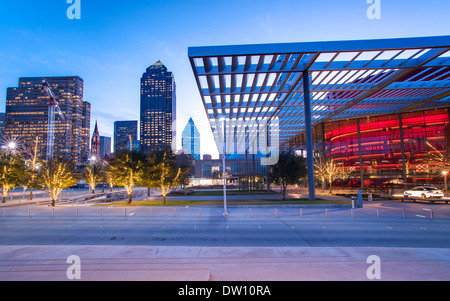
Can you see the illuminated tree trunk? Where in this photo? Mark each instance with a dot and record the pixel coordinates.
(4, 193)
(130, 198)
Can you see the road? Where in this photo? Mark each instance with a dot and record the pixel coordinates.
(178, 243)
(262, 228)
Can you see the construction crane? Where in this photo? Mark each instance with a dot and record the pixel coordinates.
(52, 106)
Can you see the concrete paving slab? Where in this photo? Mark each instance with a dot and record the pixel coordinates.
(181, 263)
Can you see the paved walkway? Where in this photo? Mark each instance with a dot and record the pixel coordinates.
(178, 263)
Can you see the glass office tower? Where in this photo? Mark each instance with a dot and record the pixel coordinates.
(158, 109)
(124, 131)
(27, 116)
(190, 140)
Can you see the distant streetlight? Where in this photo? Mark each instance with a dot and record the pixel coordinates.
(12, 145)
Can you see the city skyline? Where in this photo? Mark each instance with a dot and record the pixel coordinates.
(109, 49)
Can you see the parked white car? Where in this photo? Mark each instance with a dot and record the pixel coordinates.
(424, 192)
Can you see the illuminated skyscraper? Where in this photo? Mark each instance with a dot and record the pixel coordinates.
(105, 146)
(27, 116)
(158, 109)
(124, 131)
(190, 140)
(2, 126)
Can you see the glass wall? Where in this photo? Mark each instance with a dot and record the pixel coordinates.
(425, 138)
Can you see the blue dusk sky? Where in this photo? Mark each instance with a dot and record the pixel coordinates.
(115, 41)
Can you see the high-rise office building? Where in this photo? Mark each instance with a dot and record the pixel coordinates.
(27, 116)
(85, 130)
(135, 145)
(95, 142)
(158, 109)
(190, 140)
(105, 146)
(2, 127)
(124, 131)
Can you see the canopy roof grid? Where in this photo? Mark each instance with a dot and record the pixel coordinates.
(347, 79)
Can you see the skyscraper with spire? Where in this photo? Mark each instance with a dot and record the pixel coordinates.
(190, 140)
(95, 142)
(158, 109)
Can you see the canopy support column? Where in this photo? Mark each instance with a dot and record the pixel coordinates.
(309, 139)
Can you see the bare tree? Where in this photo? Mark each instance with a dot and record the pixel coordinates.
(164, 173)
(126, 168)
(327, 169)
(93, 174)
(11, 170)
(56, 176)
(441, 158)
(32, 166)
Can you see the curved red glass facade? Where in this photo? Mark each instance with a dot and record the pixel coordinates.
(385, 157)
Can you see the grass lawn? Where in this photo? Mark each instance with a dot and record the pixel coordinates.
(229, 202)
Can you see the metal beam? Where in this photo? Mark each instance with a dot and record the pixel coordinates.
(309, 139)
(426, 101)
(311, 47)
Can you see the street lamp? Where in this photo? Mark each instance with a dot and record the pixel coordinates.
(225, 213)
(12, 145)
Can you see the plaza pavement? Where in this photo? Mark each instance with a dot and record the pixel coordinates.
(412, 244)
(195, 263)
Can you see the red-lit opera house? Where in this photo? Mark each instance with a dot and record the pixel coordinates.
(388, 150)
(394, 148)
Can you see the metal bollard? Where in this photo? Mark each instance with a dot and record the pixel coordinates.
(101, 211)
(29, 211)
(301, 212)
(199, 212)
(326, 213)
(175, 212)
(250, 212)
(378, 213)
(351, 211)
(404, 213)
(276, 213)
(125, 211)
(150, 212)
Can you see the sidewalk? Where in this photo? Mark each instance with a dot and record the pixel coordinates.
(169, 263)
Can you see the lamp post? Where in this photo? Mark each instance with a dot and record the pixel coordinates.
(225, 213)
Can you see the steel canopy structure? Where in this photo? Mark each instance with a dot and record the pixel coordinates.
(304, 84)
